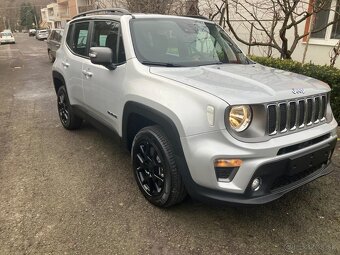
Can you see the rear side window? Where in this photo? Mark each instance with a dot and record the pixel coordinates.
(79, 40)
(69, 36)
(57, 36)
(51, 37)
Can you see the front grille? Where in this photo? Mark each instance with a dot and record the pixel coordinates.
(300, 113)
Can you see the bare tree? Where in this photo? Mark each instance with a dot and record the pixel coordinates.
(150, 6)
(334, 53)
(274, 19)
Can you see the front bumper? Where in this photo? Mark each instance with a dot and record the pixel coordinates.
(209, 195)
(270, 160)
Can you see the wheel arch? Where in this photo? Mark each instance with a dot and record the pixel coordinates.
(151, 116)
(58, 80)
(137, 115)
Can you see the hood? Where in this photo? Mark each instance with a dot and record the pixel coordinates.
(244, 84)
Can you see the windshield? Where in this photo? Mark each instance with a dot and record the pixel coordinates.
(183, 42)
(6, 34)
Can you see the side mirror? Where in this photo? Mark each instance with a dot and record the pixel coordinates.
(102, 56)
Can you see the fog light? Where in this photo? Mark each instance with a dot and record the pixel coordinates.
(256, 184)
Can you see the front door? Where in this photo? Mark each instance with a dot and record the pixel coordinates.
(102, 87)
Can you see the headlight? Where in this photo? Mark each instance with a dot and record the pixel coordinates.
(240, 117)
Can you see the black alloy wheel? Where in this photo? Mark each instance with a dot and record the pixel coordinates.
(149, 168)
(155, 168)
(63, 109)
(67, 117)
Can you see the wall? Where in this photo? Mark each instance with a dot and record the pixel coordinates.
(317, 53)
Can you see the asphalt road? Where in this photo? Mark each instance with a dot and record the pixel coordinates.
(65, 192)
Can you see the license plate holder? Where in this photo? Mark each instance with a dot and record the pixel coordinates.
(312, 159)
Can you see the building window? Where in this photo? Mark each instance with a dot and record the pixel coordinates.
(336, 26)
(329, 14)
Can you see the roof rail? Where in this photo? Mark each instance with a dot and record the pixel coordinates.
(120, 11)
(196, 17)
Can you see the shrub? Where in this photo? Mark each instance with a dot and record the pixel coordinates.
(330, 75)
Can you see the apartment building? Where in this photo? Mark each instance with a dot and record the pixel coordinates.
(55, 15)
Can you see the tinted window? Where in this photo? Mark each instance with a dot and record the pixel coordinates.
(80, 35)
(57, 35)
(52, 35)
(106, 34)
(321, 19)
(69, 36)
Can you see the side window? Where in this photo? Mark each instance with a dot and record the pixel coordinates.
(106, 34)
(57, 36)
(80, 34)
(69, 36)
(52, 35)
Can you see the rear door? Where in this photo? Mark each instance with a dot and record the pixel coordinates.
(102, 87)
(76, 53)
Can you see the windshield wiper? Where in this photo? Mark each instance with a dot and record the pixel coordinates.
(212, 63)
(152, 63)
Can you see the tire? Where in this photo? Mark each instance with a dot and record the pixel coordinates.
(50, 56)
(67, 117)
(155, 168)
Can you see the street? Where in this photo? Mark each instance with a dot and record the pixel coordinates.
(73, 192)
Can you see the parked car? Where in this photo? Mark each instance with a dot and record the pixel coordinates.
(197, 115)
(41, 34)
(6, 37)
(53, 43)
(32, 32)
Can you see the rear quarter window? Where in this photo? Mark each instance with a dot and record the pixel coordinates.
(69, 35)
(77, 38)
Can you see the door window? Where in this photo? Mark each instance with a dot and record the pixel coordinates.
(107, 34)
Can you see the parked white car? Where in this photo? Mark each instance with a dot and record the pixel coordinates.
(6, 37)
(41, 34)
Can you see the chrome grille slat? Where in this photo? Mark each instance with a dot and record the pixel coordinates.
(295, 114)
(306, 109)
(278, 117)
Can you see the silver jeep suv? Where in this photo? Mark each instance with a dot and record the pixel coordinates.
(197, 115)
